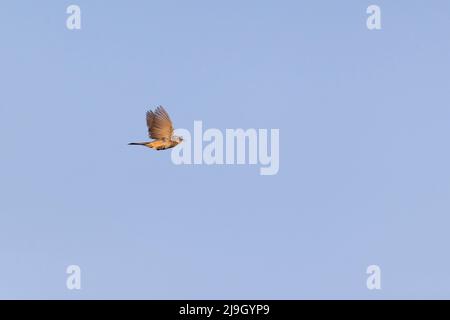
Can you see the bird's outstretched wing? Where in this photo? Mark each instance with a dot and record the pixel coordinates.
(159, 124)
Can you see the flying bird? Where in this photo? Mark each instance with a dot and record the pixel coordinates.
(161, 130)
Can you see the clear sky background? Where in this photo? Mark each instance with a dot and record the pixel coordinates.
(364, 162)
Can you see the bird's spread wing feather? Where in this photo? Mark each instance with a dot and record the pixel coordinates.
(159, 124)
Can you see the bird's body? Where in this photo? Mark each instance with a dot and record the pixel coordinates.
(159, 128)
(156, 144)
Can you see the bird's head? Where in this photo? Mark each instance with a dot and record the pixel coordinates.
(177, 139)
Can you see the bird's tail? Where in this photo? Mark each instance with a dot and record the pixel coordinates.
(138, 143)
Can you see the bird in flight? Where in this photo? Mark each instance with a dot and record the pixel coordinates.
(161, 130)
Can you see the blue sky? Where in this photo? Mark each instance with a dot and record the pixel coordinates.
(364, 161)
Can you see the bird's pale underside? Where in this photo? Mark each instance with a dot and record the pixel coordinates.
(161, 130)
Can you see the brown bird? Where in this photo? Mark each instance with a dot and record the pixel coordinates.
(159, 128)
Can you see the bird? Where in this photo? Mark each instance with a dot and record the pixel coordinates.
(160, 129)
